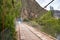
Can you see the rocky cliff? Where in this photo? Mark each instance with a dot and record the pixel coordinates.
(31, 9)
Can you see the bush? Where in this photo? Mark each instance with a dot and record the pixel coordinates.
(8, 14)
(50, 24)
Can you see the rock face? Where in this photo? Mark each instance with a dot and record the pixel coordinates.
(31, 9)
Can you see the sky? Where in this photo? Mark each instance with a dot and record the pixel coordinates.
(55, 4)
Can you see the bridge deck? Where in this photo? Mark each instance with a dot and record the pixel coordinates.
(26, 32)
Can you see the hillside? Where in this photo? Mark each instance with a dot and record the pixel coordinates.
(31, 9)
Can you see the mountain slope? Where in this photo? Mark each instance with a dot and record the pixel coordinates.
(31, 9)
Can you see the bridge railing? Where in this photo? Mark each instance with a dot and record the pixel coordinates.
(6, 35)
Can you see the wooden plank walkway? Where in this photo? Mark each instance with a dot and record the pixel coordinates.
(26, 32)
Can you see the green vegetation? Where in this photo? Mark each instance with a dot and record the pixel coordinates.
(9, 11)
(50, 24)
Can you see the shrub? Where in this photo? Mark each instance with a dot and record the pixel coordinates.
(50, 24)
(8, 14)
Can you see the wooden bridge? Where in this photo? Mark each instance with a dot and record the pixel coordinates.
(25, 32)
